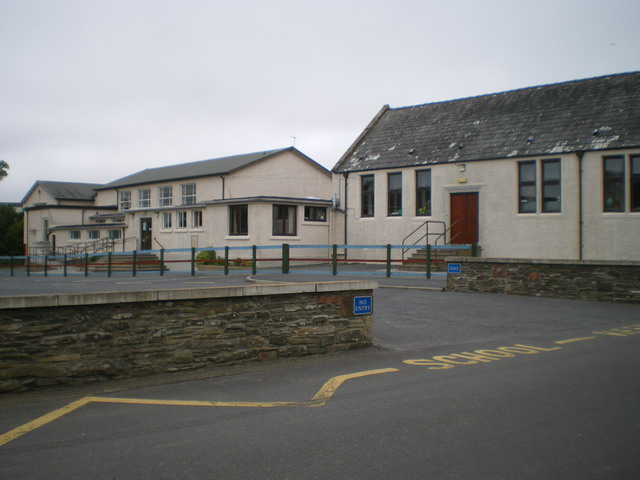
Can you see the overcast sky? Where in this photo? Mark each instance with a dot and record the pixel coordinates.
(93, 90)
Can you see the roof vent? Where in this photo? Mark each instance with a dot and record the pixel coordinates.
(596, 132)
(461, 146)
(529, 140)
(412, 151)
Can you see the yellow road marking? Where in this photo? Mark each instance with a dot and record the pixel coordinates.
(320, 399)
(572, 340)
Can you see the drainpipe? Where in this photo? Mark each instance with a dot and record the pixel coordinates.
(222, 178)
(346, 205)
(580, 155)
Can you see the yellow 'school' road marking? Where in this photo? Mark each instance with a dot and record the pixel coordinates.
(320, 399)
(572, 340)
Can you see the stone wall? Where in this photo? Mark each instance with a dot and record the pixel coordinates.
(586, 280)
(82, 338)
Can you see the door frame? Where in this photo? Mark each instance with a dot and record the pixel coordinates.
(476, 220)
(146, 239)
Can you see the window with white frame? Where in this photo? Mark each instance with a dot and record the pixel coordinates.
(165, 196)
(144, 198)
(74, 235)
(166, 220)
(115, 234)
(196, 221)
(188, 193)
(181, 220)
(125, 200)
(93, 234)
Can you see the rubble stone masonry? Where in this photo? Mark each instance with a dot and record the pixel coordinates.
(83, 338)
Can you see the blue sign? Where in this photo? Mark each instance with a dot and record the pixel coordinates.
(363, 305)
(454, 268)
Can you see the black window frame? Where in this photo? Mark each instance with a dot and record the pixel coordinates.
(634, 182)
(239, 220)
(367, 195)
(314, 213)
(549, 184)
(613, 183)
(394, 194)
(281, 223)
(423, 194)
(529, 185)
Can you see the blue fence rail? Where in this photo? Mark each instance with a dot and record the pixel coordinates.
(386, 260)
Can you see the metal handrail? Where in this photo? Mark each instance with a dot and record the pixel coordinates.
(426, 235)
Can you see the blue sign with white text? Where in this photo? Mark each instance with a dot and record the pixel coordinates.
(363, 305)
(454, 268)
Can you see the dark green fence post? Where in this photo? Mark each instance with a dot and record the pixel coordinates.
(86, 264)
(388, 260)
(46, 265)
(254, 260)
(64, 265)
(193, 261)
(28, 265)
(226, 260)
(474, 250)
(11, 265)
(162, 262)
(133, 266)
(334, 259)
(285, 258)
(428, 261)
(109, 264)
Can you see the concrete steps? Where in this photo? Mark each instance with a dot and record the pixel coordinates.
(124, 263)
(416, 262)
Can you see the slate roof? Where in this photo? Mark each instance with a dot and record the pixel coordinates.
(203, 168)
(66, 190)
(583, 115)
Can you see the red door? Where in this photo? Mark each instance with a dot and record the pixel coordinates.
(464, 218)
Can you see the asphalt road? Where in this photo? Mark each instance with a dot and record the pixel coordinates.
(459, 386)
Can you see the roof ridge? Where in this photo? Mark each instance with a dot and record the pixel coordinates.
(520, 89)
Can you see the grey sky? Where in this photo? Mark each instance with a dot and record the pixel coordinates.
(93, 90)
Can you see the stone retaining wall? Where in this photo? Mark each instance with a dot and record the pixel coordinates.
(586, 279)
(82, 338)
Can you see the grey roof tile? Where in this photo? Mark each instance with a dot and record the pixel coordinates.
(583, 115)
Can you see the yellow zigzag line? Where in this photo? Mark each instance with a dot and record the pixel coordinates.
(320, 399)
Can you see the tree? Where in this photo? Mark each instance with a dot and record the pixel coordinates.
(4, 166)
(10, 231)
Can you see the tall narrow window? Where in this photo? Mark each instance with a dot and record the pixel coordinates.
(166, 220)
(181, 220)
(188, 194)
(284, 219)
(238, 220)
(125, 200)
(165, 196)
(527, 187)
(394, 195)
(144, 198)
(367, 197)
(423, 192)
(551, 190)
(635, 183)
(613, 184)
(197, 219)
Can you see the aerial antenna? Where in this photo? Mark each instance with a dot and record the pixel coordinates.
(294, 142)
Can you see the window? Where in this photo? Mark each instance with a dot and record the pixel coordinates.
(394, 196)
(125, 200)
(197, 219)
(315, 214)
(166, 220)
(115, 234)
(181, 220)
(144, 198)
(94, 234)
(165, 196)
(74, 235)
(238, 220)
(284, 219)
(551, 199)
(188, 194)
(614, 184)
(367, 195)
(423, 192)
(635, 183)
(527, 187)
